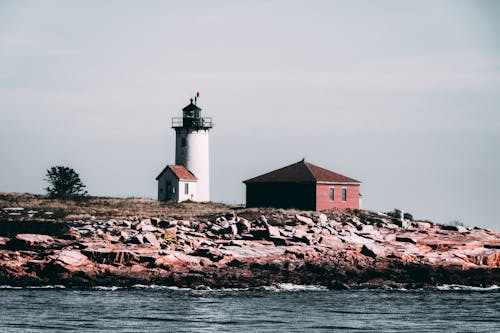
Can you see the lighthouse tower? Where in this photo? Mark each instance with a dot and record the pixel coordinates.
(192, 148)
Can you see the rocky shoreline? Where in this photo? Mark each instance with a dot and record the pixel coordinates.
(245, 248)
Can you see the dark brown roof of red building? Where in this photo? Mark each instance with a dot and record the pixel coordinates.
(301, 172)
(179, 171)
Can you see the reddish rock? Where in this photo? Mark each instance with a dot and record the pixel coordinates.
(304, 220)
(372, 251)
(73, 258)
(110, 238)
(208, 252)
(405, 240)
(26, 241)
(151, 239)
(336, 249)
(4, 240)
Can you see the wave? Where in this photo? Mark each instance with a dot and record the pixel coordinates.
(57, 286)
(467, 288)
(107, 288)
(293, 287)
(275, 288)
(281, 287)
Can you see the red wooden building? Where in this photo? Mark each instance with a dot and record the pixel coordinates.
(303, 185)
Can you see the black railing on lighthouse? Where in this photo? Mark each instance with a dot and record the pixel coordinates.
(204, 122)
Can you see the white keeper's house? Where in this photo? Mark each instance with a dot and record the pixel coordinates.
(188, 178)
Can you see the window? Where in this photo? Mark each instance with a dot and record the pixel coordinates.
(186, 188)
(344, 194)
(332, 194)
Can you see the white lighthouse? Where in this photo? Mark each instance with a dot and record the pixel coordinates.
(189, 178)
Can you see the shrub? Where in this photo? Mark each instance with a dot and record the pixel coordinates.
(64, 182)
(408, 216)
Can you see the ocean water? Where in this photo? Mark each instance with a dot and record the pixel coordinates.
(285, 308)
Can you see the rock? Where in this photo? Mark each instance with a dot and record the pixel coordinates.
(247, 236)
(304, 220)
(124, 235)
(210, 234)
(273, 231)
(148, 228)
(184, 223)
(72, 234)
(367, 228)
(492, 260)
(449, 227)
(73, 258)
(299, 233)
(209, 252)
(137, 239)
(303, 238)
(216, 228)
(243, 226)
(322, 218)
(24, 241)
(372, 251)
(230, 230)
(126, 224)
(223, 224)
(151, 239)
(279, 240)
(110, 238)
(405, 240)
(4, 240)
(401, 223)
(220, 219)
(422, 225)
(331, 242)
(259, 233)
(167, 224)
(379, 222)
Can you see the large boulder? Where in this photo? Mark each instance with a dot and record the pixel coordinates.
(110, 238)
(405, 240)
(243, 226)
(373, 251)
(209, 252)
(304, 220)
(29, 241)
(151, 239)
(273, 231)
(72, 258)
(231, 229)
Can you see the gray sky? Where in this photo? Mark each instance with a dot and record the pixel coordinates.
(404, 96)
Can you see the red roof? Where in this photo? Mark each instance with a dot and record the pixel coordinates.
(179, 171)
(301, 172)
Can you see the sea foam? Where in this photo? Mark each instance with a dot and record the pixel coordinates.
(467, 288)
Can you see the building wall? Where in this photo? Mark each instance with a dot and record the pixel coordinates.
(170, 188)
(281, 195)
(192, 151)
(323, 197)
(192, 195)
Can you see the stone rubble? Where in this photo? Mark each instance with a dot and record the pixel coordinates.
(251, 247)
